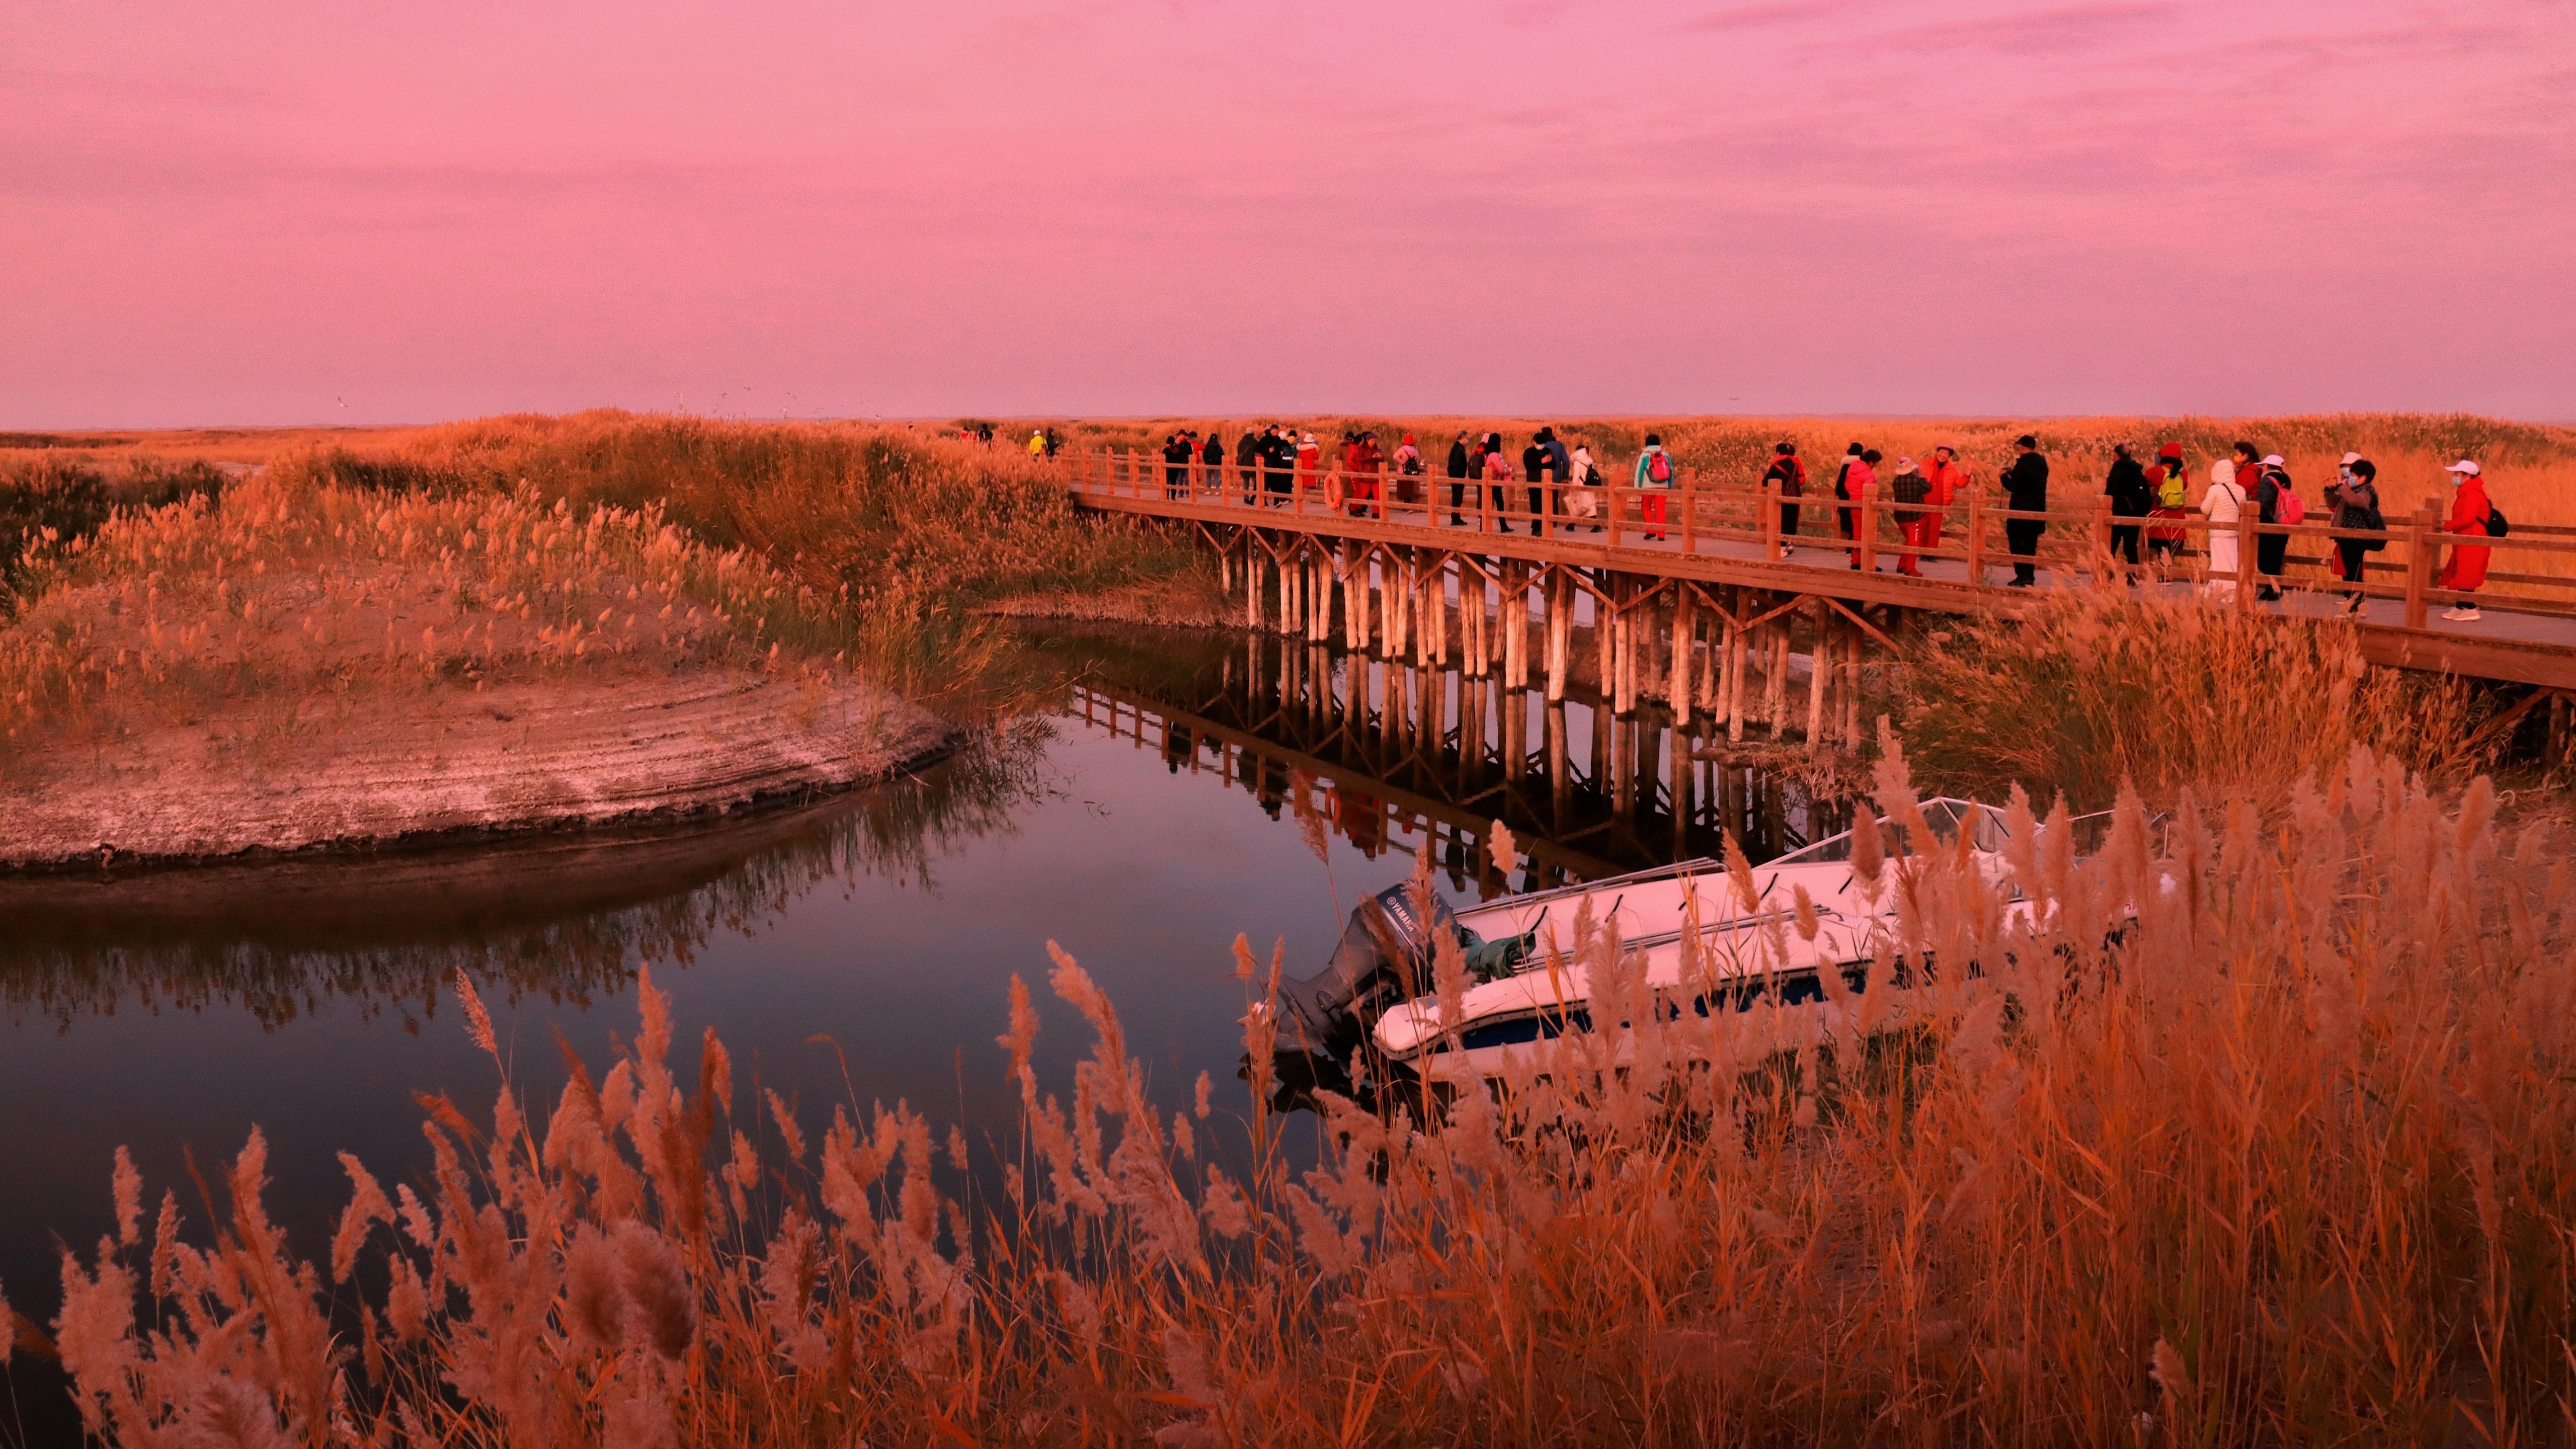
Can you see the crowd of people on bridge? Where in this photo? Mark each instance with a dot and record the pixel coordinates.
(2150, 500)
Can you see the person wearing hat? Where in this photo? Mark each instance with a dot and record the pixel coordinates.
(1843, 491)
(1408, 469)
(1910, 490)
(1944, 479)
(1498, 471)
(1459, 472)
(2025, 491)
(2173, 501)
(2352, 502)
(2274, 502)
(2130, 498)
(2466, 569)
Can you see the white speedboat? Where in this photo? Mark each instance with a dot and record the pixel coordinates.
(1530, 980)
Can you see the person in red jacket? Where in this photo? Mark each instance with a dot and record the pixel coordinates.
(1945, 480)
(2466, 568)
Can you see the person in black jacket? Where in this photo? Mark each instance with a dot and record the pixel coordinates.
(1279, 452)
(1534, 473)
(2271, 550)
(2130, 498)
(1791, 475)
(1247, 463)
(2025, 491)
(1213, 456)
(1458, 474)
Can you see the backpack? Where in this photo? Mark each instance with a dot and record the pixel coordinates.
(2290, 509)
(1659, 467)
(2495, 522)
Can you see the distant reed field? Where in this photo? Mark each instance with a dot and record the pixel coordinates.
(144, 587)
(2251, 1130)
(2092, 688)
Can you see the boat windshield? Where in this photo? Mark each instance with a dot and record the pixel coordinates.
(1948, 816)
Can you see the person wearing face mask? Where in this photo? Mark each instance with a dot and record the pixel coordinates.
(2352, 501)
(2472, 516)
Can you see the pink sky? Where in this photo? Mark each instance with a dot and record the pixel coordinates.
(267, 212)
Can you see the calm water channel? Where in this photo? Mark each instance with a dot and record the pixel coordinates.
(858, 950)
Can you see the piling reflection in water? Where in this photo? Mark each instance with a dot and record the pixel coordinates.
(1389, 750)
(563, 916)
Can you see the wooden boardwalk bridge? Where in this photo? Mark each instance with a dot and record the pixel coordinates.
(1700, 594)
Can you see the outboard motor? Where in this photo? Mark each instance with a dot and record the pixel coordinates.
(1384, 958)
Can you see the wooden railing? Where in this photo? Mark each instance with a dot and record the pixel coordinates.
(1695, 514)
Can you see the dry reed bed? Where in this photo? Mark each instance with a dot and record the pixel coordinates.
(309, 596)
(2289, 1157)
(2087, 689)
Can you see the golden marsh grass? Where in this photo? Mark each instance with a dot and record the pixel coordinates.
(2240, 1135)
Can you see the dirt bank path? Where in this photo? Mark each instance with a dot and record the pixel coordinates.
(512, 758)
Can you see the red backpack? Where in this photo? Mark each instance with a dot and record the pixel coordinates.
(1659, 467)
(2288, 506)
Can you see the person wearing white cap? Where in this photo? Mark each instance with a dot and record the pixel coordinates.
(2471, 514)
(2275, 503)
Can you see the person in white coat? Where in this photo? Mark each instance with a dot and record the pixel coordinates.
(1584, 499)
(2222, 505)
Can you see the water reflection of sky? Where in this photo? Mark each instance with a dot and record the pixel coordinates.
(318, 1017)
(171, 1012)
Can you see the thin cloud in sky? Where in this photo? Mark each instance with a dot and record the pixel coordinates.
(246, 214)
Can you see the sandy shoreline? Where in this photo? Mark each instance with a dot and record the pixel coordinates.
(465, 765)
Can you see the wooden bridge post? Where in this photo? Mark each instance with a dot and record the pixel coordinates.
(1769, 522)
(1679, 681)
(1688, 487)
(1560, 632)
(1775, 676)
(1515, 621)
(1853, 644)
(2245, 573)
(1976, 535)
(1402, 608)
(1866, 527)
(1560, 781)
(1821, 664)
(1355, 596)
(2102, 533)
(2420, 532)
(1737, 647)
(1605, 627)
